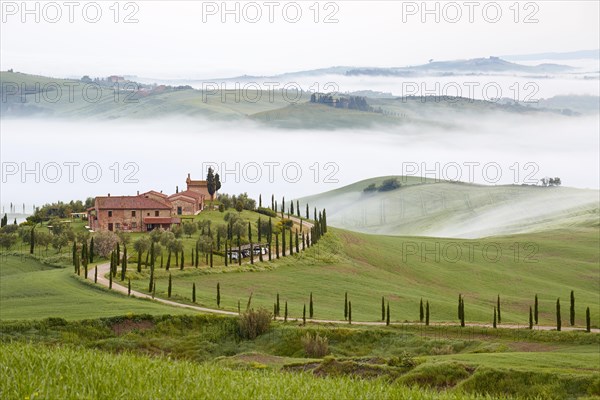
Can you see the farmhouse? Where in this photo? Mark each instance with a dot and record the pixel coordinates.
(147, 211)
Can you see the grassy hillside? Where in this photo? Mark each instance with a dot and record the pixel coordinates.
(32, 290)
(406, 269)
(361, 362)
(63, 98)
(445, 209)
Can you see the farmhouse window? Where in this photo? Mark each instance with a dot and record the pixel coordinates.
(133, 213)
(156, 213)
(110, 214)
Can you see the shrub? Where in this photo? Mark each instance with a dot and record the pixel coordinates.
(316, 346)
(404, 360)
(254, 323)
(266, 211)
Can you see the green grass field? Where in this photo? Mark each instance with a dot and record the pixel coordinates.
(32, 290)
(369, 267)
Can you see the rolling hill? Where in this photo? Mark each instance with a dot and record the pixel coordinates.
(458, 210)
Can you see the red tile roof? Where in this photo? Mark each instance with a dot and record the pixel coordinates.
(156, 193)
(130, 203)
(188, 193)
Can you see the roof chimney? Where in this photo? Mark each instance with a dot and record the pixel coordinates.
(188, 175)
(109, 195)
(138, 192)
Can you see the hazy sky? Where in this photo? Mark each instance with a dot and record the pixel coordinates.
(188, 38)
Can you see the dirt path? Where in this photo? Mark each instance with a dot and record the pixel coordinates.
(116, 286)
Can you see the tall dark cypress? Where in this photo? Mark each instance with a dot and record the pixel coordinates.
(459, 307)
(311, 309)
(350, 312)
(499, 313)
(170, 287)
(535, 309)
(530, 318)
(277, 245)
(421, 311)
(588, 320)
(346, 305)
(193, 292)
(427, 313)
(558, 319)
(297, 243)
(96, 275)
(118, 259)
(291, 244)
(278, 308)
(32, 240)
(303, 313)
(110, 280)
(387, 316)
(307, 212)
(572, 309)
(382, 308)
(462, 312)
(124, 263)
(286, 313)
(128, 287)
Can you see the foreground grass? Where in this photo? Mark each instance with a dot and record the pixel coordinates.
(35, 371)
(32, 290)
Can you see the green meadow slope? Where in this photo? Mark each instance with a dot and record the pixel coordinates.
(32, 290)
(28, 95)
(446, 209)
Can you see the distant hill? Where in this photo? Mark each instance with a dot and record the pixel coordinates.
(49, 97)
(570, 55)
(459, 210)
(475, 65)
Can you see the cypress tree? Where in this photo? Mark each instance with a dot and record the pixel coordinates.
(251, 253)
(427, 313)
(421, 311)
(226, 253)
(273, 203)
(462, 312)
(282, 241)
(197, 255)
(269, 248)
(558, 319)
(211, 256)
(530, 318)
(303, 312)
(350, 312)
(32, 240)
(193, 263)
(499, 313)
(96, 275)
(459, 307)
(297, 244)
(286, 313)
(128, 287)
(218, 295)
(311, 308)
(387, 316)
(303, 242)
(278, 309)
(91, 252)
(535, 309)
(291, 208)
(168, 260)
(124, 263)
(345, 303)
(139, 262)
(291, 244)
(307, 212)
(193, 292)
(151, 282)
(382, 308)
(117, 260)
(182, 260)
(85, 267)
(572, 309)
(588, 320)
(277, 245)
(495, 319)
(154, 288)
(297, 208)
(110, 280)
(74, 255)
(170, 286)
(260, 201)
(324, 221)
